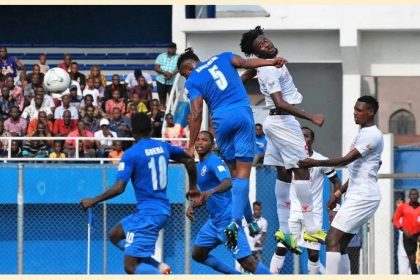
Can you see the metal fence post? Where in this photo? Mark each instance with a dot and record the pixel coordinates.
(104, 221)
(365, 250)
(187, 230)
(20, 220)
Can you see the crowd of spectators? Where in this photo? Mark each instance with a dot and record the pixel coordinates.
(91, 107)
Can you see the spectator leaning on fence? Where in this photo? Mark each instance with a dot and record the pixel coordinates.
(117, 151)
(407, 219)
(37, 148)
(57, 152)
(165, 66)
(16, 151)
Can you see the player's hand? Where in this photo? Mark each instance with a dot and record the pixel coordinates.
(407, 234)
(87, 203)
(190, 213)
(193, 194)
(332, 202)
(191, 151)
(318, 119)
(307, 163)
(278, 62)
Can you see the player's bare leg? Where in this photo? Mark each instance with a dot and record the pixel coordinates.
(117, 237)
(337, 259)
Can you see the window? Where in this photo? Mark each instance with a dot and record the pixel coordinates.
(402, 122)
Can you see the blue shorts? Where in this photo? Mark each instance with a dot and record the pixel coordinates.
(141, 233)
(235, 134)
(211, 236)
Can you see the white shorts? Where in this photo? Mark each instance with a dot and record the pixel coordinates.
(285, 142)
(297, 228)
(353, 214)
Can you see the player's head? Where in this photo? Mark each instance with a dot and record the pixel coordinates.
(309, 135)
(187, 62)
(257, 209)
(259, 129)
(204, 143)
(365, 109)
(413, 195)
(254, 42)
(141, 125)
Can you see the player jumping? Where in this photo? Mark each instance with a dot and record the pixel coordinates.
(215, 183)
(362, 192)
(217, 82)
(285, 142)
(146, 164)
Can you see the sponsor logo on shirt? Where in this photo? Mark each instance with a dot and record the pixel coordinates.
(221, 168)
(121, 166)
(203, 170)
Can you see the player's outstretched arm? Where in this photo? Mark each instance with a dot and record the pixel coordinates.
(195, 123)
(341, 161)
(286, 107)
(117, 189)
(190, 166)
(250, 63)
(248, 75)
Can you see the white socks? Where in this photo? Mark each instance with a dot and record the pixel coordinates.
(344, 267)
(313, 267)
(282, 191)
(333, 263)
(276, 263)
(304, 194)
(337, 263)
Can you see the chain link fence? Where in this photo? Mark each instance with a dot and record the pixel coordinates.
(44, 229)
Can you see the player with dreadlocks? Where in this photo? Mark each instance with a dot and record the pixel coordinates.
(217, 82)
(285, 142)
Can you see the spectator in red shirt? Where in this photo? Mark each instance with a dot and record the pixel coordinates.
(42, 117)
(62, 127)
(86, 147)
(66, 63)
(115, 102)
(15, 124)
(407, 219)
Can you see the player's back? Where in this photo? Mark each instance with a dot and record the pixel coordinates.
(218, 82)
(149, 160)
(211, 172)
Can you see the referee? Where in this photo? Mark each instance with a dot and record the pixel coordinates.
(407, 219)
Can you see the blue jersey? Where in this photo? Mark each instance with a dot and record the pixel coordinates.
(146, 164)
(212, 171)
(218, 82)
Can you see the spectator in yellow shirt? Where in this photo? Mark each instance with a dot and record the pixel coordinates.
(57, 152)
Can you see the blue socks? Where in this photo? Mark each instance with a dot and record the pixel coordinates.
(144, 268)
(262, 269)
(240, 200)
(219, 266)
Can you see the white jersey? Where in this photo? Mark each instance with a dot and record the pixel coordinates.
(363, 172)
(272, 79)
(317, 186)
(262, 223)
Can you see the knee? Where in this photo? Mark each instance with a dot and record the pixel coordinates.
(199, 257)
(129, 268)
(115, 236)
(248, 263)
(332, 243)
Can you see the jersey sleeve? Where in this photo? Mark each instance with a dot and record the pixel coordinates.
(329, 171)
(125, 168)
(271, 79)
(366, 143)
(175, 150)
(220, 169)
(193, 91)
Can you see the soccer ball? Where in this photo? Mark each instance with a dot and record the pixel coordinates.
(57, 80)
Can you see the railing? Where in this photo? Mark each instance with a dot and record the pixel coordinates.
(76, 147)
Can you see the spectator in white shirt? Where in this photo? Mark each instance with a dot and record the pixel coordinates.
(104, 146)
(131, 79)
(32, 110)
(65, 105)
(90, 89)
(48, 101)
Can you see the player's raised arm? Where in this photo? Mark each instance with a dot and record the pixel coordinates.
(340, 161)
(177, 154)
(195, 122)
(251, 63)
